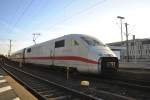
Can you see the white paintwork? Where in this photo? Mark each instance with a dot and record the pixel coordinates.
(6, 88)
(17, 98)
(117, 54)
(2, 81)
(47, 49)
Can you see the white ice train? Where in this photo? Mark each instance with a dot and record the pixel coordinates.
(81, 52)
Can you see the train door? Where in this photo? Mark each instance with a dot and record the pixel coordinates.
(79, 51)
(59, 50)
(23, 55)
(75, 47)
(52, 53)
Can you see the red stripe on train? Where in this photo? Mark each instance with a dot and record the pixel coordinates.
(74, 58)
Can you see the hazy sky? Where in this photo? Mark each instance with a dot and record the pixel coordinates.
(19, 19)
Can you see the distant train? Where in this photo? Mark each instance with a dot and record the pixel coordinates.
(81, 52)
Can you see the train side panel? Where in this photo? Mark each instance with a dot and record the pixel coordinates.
(40, 54)
(16, 56)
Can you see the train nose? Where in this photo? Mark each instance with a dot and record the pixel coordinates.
(109, 63)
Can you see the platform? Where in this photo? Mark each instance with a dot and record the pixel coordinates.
(6, 91)
(11, 90)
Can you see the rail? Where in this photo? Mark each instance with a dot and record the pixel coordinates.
(44, 89)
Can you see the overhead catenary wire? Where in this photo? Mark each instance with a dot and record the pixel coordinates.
(9, 26)
(23, 13)
(16, 12)
(68, 4)
(20, 17)
(78, 13)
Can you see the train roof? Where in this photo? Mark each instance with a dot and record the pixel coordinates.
(65, 36)
(17, 52)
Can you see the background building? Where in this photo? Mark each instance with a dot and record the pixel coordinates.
(139, 49)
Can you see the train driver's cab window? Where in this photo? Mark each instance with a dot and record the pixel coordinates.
(60, 43)
(92, 41)
(28, 50)
(75, 43)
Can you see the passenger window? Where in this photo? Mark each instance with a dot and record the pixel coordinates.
(60, 43)
(75, 43)
(28, 50)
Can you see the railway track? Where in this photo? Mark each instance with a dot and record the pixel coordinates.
(92, 92)
(136, 89)
(44, 89)
(101, 87)
(129, 81)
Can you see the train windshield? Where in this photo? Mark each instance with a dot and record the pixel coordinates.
(92, 41)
